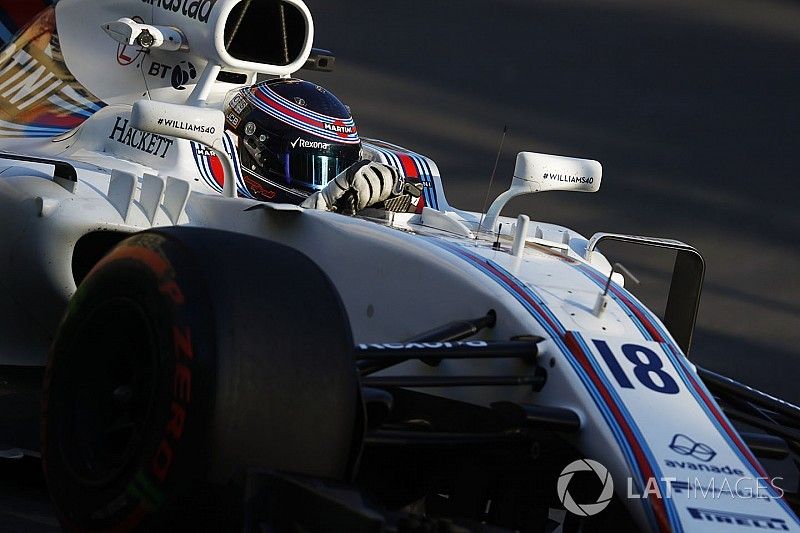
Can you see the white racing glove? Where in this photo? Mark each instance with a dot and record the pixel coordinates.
(361, 185)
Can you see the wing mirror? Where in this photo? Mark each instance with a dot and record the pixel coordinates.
(542, 172)
(205, 126)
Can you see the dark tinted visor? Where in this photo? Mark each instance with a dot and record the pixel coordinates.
(314, 170)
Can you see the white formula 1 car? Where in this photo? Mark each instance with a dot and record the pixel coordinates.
(210, 360)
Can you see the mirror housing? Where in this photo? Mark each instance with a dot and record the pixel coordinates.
(202, 125)
(536, 172)
(270, 37)
(198, 124)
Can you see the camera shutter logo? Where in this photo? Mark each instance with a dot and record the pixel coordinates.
(585, 509)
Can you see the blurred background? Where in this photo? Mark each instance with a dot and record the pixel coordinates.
(692, 107)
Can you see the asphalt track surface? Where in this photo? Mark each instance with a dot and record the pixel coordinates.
(692, 106)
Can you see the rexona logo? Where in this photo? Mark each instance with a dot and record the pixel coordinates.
(198, 10)
(186, 126)
(567, 178)
(302, 143)
(140, 140)
(739, 519)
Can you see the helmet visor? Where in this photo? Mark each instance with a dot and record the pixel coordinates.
(312, 169)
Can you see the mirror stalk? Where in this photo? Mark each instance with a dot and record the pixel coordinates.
(198, 124)
(204, 85)
(542, 172)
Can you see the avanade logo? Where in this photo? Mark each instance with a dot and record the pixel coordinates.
(685, 445)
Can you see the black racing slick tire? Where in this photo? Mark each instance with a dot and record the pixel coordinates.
(185, 356)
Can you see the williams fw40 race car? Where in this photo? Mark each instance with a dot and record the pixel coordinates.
(223, 309)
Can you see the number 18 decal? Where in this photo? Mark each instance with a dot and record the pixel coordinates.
(648, 368)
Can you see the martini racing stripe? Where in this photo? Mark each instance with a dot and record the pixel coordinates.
(269, 94)
(393, 159)
(728, 432)
(411, 172)
(202, 160)
(652, 330)
(428, 174)
(230, 148)
(593, 276)
(425, 177)
(661, 514)
(585, 357)
(211, 169)
(340, 130)
(413, 167)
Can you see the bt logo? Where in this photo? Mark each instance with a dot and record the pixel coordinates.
(180, 74)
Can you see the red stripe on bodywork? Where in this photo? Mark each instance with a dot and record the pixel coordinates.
(410, 170)
(651, 328)
(55, 120)
(577, 352)
(512, 283)
(725, 424)
(408, 165)
(647, 323)
(524, 294)
(217, 172)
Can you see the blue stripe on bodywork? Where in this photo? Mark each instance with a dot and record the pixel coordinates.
(557, 338)
(678, 361)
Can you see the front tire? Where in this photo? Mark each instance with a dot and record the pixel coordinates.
(185, 356)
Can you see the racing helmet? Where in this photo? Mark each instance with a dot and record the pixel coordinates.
(294, 137)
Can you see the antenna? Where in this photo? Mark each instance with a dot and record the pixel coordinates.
(496, 245)
(144, 76)
(625, 271)
(602, 298)
(494, 170)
